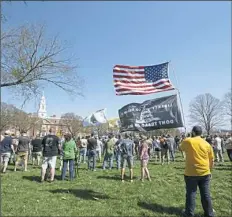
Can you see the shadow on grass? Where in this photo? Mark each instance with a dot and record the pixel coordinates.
(82, 194)
(155, 163)
(160, 208)
(179, 168)
(32, 178)
(107, 167)
(226, 160)
(38, 178)
(223, 168)
(109, 177)
(98, 167)
(10, 169)
(116, 177)
(222, 165)
(180, 160)
(83, 169)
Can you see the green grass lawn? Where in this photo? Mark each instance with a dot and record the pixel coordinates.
(101, 193)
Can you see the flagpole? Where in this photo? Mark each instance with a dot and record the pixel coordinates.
(180, 101)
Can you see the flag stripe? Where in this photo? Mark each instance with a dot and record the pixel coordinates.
(129, 72)
(133, 81)
(129, 67)
(128, 83)
(143, 86)
(122, 71)
(143, 93)
(121, 89)
(128, 76)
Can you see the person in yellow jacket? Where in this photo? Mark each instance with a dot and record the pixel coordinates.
(198, 165)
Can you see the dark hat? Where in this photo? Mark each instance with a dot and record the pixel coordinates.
(110, 135)
(197, 130)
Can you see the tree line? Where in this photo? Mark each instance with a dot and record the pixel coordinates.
(204, 110)
(19, 121)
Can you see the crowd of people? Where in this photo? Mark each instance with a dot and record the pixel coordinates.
(90, 149)
(84, 150)
(124, 149)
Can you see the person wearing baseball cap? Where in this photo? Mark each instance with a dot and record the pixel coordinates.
(199, 163)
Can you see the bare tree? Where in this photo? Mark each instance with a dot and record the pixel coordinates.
(7, 116)
(206, 110)
(29, 62)
(160, 132)
(227, 105)
(103, 129)
(24, 122)
(73, 122)
(14, 118)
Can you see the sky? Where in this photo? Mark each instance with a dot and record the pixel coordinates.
(194, 36)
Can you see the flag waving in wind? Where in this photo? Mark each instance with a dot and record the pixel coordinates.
(141, 80)
(96, 118)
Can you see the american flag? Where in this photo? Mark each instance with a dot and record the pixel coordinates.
(141, 80)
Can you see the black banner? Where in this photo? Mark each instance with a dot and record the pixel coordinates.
(160, 113)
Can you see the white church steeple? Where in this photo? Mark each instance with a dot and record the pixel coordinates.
(42, 113)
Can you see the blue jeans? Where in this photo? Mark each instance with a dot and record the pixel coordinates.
(229, 152)
(92, 156)
(176, 147)
(109, 158)
(172, 155)
(203, 183)
(71, 169)
(99, 153)
(118, 159)
(83, 152)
